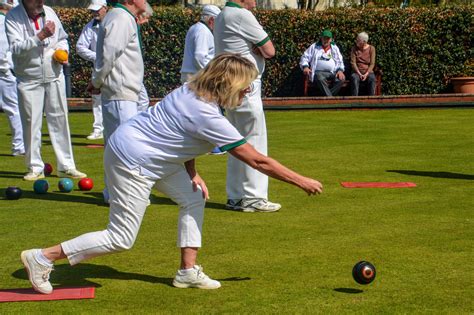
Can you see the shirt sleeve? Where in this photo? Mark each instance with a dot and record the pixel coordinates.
(252, 31)
(62, 36)
(18, 44)
(306, 57)
(203, 53)
(338, 59)
(83, 44)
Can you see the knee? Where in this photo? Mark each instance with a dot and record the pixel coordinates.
(355, 77)
(121, 241)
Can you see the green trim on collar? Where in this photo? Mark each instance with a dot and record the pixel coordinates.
(234, 145)
(120, 6)
(262, 42)
(233, 4)
(1, 13)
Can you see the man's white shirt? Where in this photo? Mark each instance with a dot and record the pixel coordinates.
(87, 43)
(198, 48)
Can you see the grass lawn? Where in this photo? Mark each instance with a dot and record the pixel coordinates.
(298, 260)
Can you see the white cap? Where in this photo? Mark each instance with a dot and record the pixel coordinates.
(8, 3)
(97, 4)
(210, 10)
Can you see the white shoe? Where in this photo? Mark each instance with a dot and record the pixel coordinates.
(37, 273)
(252, 205)
(72, 173)
(194, 278)
(95, 136)
(32, 176)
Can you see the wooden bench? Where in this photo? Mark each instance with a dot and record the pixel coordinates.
(345, 89)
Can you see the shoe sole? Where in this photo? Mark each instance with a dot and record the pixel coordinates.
(33, 179)
(27, 267)
(61, 174)
(249, 210)
(187, 285)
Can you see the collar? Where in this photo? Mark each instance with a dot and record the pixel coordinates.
(95, 22)
(42, 14)
(119, 5)
(1, 13)
(233, 4)
(206, 25)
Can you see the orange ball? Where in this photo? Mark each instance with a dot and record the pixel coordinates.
(60, 55)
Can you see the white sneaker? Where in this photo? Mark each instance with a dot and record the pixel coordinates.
(95, 136)
(194, 278)
(33, 176)
(252, 205)
(72, 173)
(37, 273)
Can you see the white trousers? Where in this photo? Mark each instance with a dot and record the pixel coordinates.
(242, 180)
(50, 97)
(9, 104)
(143, 100)
(129, 193)
(115, 113)
(97, 126)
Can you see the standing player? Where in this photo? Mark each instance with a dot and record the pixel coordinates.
(199, 47)
(237, 30)
(35, 32)
(86, 49)
(8, 93)
(118, 70)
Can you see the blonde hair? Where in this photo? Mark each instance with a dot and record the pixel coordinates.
(223, 80)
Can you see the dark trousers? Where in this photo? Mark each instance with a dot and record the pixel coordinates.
(321, 79)
(355, 84)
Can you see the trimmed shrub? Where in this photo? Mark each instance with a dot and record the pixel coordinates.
(417, 48)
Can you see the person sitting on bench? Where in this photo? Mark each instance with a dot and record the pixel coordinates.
(363, 63)
(322, 62)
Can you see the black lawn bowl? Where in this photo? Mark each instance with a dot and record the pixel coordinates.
(363, 272)
(13, 193)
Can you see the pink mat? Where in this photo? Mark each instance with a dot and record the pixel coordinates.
(22, 295)
(377, 185)
(95, 146)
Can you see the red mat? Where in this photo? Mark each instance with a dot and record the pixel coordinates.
(377, 185)
(95, 146)
(22, 295)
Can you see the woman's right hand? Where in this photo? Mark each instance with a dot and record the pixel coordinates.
(311, 186)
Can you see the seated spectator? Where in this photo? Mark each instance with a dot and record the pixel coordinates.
(322, 63)
(363, 63)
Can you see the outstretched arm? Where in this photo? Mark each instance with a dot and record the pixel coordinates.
(268, 166)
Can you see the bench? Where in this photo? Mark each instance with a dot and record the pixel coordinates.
(345, 89)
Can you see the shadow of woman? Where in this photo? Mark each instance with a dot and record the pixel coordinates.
(80, 275)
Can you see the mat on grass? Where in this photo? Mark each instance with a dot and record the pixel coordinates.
(95, 146)
(22, 295)
(377, 185)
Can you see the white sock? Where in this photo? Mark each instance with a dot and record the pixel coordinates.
(42, 260)
(187, 270)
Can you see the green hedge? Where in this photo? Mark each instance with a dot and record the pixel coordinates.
(418, 49)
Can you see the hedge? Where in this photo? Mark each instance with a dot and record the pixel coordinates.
(417, 48)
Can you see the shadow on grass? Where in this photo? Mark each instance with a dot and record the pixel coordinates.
(434, 174)
(80, 275)
(5, 174)
(61, 197)
(348, 290)
(167, 201)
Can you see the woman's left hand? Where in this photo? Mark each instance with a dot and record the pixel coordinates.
(199, 182)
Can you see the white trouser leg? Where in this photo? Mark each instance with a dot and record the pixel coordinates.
(56, 111)
(143, 99)
(115, 113)
(97, 111)
(31, 104)
(9, 104)
(129, 193)
(191, 207)
(242, 180)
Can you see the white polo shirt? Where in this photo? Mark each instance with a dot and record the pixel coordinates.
(236, 30)
(178, 129)
(198, 48)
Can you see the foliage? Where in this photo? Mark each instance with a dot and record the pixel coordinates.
(417, 48)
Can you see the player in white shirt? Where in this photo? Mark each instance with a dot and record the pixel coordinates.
(199, 47)
(86, 49)
(238, 31)
(199, 43)
(35, 32)
(8, 92)
(157, 148)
